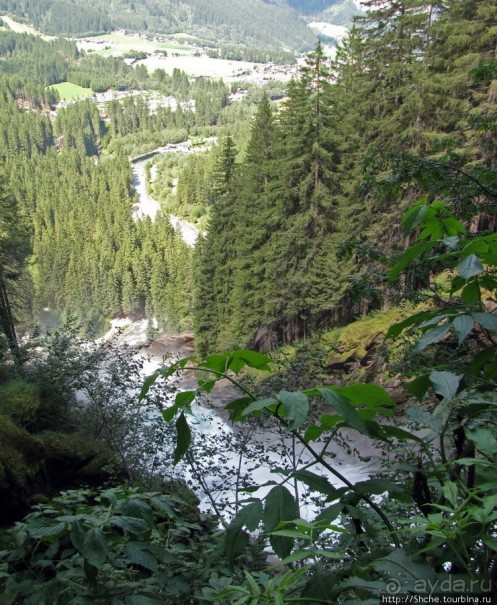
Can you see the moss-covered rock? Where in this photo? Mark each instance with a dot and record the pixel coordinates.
(21, 466)
(37, 466)
(20, 401)
(72, 460)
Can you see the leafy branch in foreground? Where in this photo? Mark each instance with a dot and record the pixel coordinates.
(443, 485)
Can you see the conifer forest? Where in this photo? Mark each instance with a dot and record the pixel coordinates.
(305, 244)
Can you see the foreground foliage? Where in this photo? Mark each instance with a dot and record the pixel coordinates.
(116, 546)
(437, 518)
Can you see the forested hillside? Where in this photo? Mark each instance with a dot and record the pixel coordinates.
(297, 225)
(255, 23)
(89, 257)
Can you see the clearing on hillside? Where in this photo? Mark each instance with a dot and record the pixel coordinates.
(69, 92)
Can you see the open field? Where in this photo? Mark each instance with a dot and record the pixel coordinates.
(69, 92)
(118, 43)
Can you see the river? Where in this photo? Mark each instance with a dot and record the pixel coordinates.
(224, 455)
(148, 206)
(227, 455)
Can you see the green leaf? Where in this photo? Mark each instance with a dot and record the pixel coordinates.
(280, 506)
(419, 386)
(95, 548)
(147, 383)
(295, 407)
(469, 267)
(449, 491)
(78, 535)
(313, 432)
(370, 395)
(46, 528)
(344, 409)
(445, 383)
(184, 398)
(258, 405)
(400, 434)
(330, 513)
(139, 509)
(483, 440)
(471, 293)
(431, 337)
(377, 486)
(184, 438)
(409, 255)
(135, 527)
(169, 413)
(236, 407)
(316, 483)
(236, 360)
(486, 321)
(462, 325)
(424, 418)
(414, 217)
(140, 555)
(235, 538)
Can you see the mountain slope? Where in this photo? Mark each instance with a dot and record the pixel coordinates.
(256, 23)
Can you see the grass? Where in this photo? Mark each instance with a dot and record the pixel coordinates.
(69, 92)
(124, 44)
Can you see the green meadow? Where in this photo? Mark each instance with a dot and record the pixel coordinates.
(69, 92)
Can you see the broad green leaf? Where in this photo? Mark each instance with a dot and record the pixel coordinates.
(258, 405)
(377, 486)
(184, 398)
(236, 360)
(139, 554)
(370, 395)
(344, 409)
(431, 337)
(46, 528)
(147, 383)
(471, 293)
(414, 217)
(138, 509)
(445, 383)
(235, 538)
(280, 506)
(183, 439)
(483, 440)
(236, 407)
(253, 359)
(78, 535)
(452, 226)
(295, 407)
(95, 548)
(313, 432)
(491, 543)
(398, 564)
(400, 434)
(450, 493)
(330, 513)
(469, 267)
(486, 321)
(424, 418)
(169, 413)
(135, 527)
(316, 483)
(409, 255)
(419, 386)
(462, 325)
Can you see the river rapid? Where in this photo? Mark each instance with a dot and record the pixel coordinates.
(225, 457)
